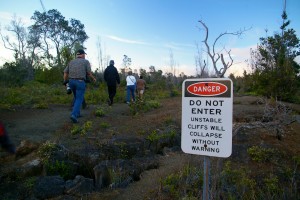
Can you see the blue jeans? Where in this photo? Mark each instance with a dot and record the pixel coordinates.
(78, 89)
(130, 92)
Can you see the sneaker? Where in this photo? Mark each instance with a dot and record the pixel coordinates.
(74, 119)
(109, 102)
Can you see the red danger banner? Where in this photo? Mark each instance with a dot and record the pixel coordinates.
(207, 89)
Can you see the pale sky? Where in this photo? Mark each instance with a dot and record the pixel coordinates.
(147, 30)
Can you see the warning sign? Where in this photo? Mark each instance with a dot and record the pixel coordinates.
(207, 117)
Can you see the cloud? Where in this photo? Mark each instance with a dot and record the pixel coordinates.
(240, 56)
(171, 45)
(178, 46)
(5, 16)
(112, 37)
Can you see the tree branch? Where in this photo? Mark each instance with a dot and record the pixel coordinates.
(216, 56)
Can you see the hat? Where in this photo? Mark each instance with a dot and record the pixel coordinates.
(80, 52)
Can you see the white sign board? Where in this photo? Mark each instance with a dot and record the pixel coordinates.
(207, 106)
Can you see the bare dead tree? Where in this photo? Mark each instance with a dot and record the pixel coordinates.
(172, 63)
(215, 56)
(101, 57)
(126, 64)
(201, 69)
(22, 44)
(173, 70)
(126, 61)
(19, 43)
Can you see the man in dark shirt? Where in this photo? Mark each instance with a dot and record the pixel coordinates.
(76, 72)
(112, 78)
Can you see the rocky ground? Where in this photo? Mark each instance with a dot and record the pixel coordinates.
(36, 126)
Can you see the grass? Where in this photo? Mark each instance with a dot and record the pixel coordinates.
(234, 181)
(139, 106)
(186, 183)
(39, 95)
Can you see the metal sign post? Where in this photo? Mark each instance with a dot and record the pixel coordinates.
(207, 106)
(206, 179)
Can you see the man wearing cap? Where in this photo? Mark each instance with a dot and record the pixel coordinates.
(76, 73)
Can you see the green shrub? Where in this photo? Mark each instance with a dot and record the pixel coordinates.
(76, 129)
(58, 168)
(175, 93)
(46, 150)
(41, 105)
(237, 183)
(30, 182)
(104, 125)
(99, 112)
(272, 185)
(187, 182)
(139, 106)
(153, 104)
(82, 130)
(260, 154)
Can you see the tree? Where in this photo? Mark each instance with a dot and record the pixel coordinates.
(172, 63)
(201, 70)
(126, 62)
(156, 77)
(275, 72)
(152, 69)
(215, 56)
(19, 45)
(22, 45)
(143, 72)
(56, 33)
(100, 55)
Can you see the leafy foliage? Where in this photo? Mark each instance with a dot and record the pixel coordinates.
(57, 32)
(275, 73)
(12, 74)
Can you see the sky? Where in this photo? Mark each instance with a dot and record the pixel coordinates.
(149, 31)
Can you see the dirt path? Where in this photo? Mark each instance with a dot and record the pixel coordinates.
(37, 125)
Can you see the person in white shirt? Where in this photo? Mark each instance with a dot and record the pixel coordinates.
(131, 83)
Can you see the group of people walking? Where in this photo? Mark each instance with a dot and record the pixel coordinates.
(77, 71)
(134, 85)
